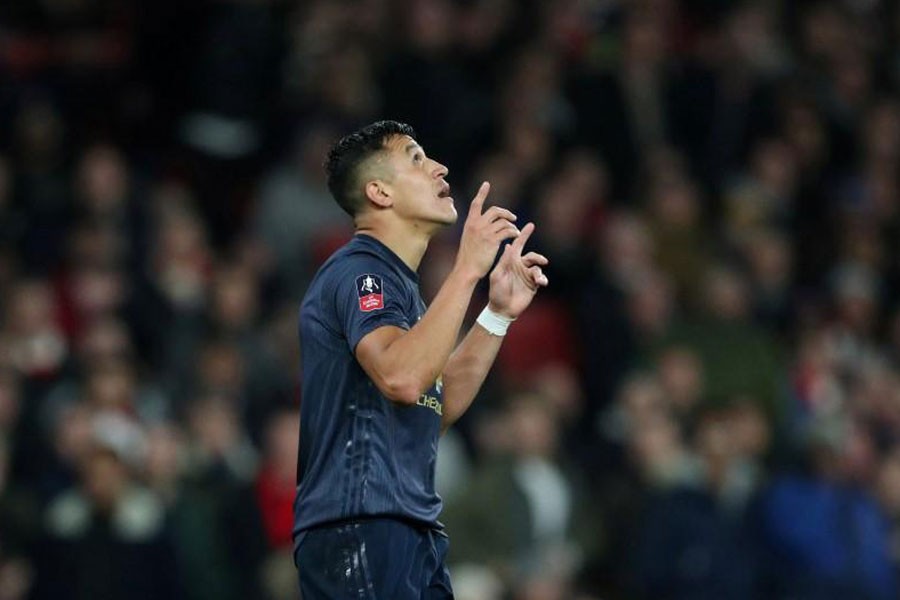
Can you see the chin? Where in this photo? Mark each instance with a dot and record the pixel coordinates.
(451, 218)
(447, 215)
(439, 222)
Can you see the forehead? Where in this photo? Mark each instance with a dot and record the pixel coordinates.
(401, 144)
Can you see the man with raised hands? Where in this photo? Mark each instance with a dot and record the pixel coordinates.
(383, 375)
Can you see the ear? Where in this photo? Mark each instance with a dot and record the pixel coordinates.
(379, 193)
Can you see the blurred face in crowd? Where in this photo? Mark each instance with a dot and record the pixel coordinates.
(181, 258)
(214, 424)
(642, 400)
(561, 213)
(313, 146)
(588, 175)
(749, 430)
(882, 132)
(855, 296)
(750, 33)
(97, 244)
(111, 386)
(883, 191)
(528, 143)
(804, 129)
(727, 294)
(644, 38)
(825, 32)
(852, 77)
(72, 434)
(98, 291)
(714, 443)
(281, 335)
(163, 458)
(105, 477)
(650, 303)
(221, 367)
(569, 200)
(532, 84)
(627, 244)
(415, 184)
(860, 457)
(32, 308)
(774, 167)
(506, 176)
(681, 375)
(560, 385)
(431, 24)
(102, 179)
(675, 204)
(103, 340)
(39, 132)
(234, 298)
(656, 447)
(346, 81)
(769, 258)
(533, 427)
(481, 23)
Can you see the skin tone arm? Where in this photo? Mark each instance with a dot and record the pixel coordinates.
(403, 364)
(514, 282)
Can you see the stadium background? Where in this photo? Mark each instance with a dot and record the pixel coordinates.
(704, 404)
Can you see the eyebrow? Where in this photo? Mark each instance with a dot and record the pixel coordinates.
(412, 146)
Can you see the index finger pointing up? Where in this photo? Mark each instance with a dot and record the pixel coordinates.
(477, 205)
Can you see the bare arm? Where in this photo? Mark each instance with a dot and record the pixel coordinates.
(514, 282)
(403, 364)
(466, 370)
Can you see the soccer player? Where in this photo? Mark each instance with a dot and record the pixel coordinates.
(383, 376)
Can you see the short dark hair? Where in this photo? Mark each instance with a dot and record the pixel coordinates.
(351, 151)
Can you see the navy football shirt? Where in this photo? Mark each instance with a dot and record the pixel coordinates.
(361, 454)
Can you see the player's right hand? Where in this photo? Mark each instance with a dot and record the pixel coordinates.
(483, 232)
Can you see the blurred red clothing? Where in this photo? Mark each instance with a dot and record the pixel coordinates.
(275, 497)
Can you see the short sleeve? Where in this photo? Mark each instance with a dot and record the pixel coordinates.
(370, 295)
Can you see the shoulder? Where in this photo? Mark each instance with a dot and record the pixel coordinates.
(357, 274)
(351, 258)
(365, 271)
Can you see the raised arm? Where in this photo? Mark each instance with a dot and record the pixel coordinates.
(403, 364)
(514, 282)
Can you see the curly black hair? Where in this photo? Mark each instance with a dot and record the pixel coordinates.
(350, 152)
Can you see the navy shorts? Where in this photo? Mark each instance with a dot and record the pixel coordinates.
(373, 559)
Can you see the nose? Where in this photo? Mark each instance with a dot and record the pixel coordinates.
(439, 170)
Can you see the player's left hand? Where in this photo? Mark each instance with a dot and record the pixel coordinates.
(517, 277)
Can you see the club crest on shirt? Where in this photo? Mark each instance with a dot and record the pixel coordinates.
(371, 293)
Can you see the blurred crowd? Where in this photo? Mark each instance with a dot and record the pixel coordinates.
(705, 404)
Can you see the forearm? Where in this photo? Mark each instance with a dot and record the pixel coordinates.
(418, 357)
(466, 370)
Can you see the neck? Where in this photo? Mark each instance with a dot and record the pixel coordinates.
(409, 243)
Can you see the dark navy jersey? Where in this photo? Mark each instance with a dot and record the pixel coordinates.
(361, 455)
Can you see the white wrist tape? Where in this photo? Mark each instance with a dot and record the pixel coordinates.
(494, 324)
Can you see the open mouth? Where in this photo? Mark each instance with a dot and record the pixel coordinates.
(445, 191)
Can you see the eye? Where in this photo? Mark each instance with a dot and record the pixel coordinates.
(418, 158)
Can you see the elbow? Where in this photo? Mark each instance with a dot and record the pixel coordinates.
(402, 390)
